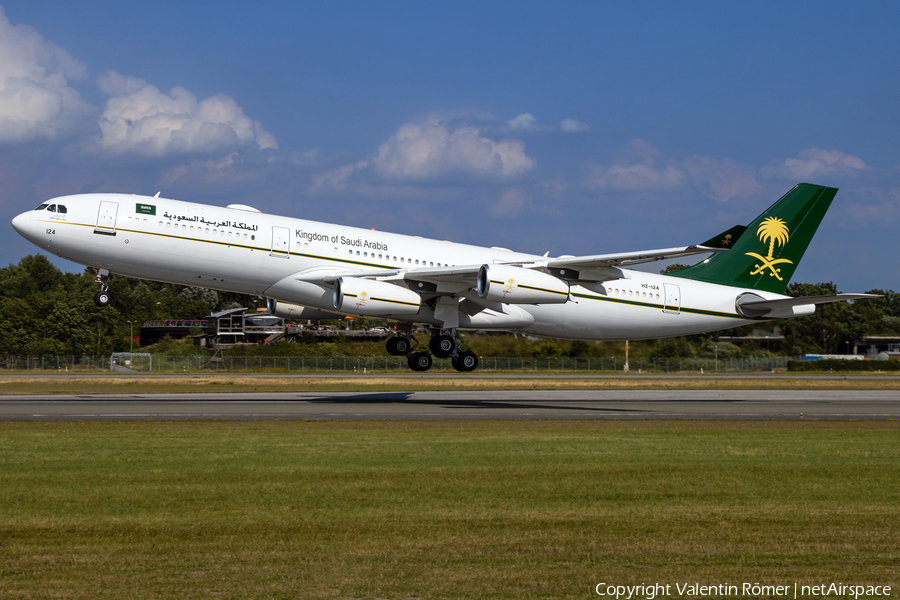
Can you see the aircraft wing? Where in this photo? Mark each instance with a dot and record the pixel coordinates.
(599, 267)
(461, 274)
(600, 261)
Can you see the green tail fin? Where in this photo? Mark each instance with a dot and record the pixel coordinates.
(765, 257)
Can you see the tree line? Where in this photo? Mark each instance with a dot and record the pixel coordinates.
(44, 311)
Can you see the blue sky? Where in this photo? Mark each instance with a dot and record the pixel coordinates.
(573, 128)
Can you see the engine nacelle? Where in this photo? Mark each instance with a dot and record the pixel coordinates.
(295, 311)
(369, 297)
(515, 285)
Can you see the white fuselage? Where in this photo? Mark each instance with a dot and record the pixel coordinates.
(250, 252)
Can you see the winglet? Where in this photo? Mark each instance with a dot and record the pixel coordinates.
(726, 239)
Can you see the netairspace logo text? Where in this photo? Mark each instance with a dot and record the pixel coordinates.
(649, 591)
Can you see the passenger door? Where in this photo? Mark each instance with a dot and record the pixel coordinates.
(281, 242)
(673, 298)
(106, 218)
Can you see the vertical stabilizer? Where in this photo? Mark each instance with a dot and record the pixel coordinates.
(766, 255)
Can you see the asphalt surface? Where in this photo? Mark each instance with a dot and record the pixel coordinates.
(520, 404)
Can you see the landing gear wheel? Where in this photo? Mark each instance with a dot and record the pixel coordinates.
(465, 361)
(442, 346)
(101, 299)
(420, 361)
(398, 346)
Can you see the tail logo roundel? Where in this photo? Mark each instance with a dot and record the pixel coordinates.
(772, 231)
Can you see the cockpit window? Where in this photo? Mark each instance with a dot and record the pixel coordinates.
(61, 209)
(51, 208)
(42, 207)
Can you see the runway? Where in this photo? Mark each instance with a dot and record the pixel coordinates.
(523, 404)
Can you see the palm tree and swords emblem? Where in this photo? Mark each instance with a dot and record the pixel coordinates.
(774, 231)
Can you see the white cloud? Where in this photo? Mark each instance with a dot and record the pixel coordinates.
(429, 159)
(140, 119)
(512, 202)
(36, 101)
(574, 126)
(431, 151)
(528, 122)
(723, 179)
(636, 177)
(814, 162)
(337, 179)
(525, 121)
(875, 206)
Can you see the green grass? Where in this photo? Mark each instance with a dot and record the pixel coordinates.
(448, 509)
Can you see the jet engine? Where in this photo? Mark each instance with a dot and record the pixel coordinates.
(294, 311)
(515, 285)
(369, 297)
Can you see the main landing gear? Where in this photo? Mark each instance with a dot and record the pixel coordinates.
(441, 345)
(404, 345)
(102, 298)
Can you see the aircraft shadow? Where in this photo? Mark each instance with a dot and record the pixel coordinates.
(406, 398)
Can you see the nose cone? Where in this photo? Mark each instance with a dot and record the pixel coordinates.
(22, 222)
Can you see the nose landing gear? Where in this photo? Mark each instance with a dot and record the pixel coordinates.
(102, 298)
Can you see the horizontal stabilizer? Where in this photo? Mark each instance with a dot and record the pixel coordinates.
(750, 305)
(786, 302)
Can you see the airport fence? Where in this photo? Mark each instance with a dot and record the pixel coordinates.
(160, 363)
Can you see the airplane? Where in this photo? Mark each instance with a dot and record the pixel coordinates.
(314, 270)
